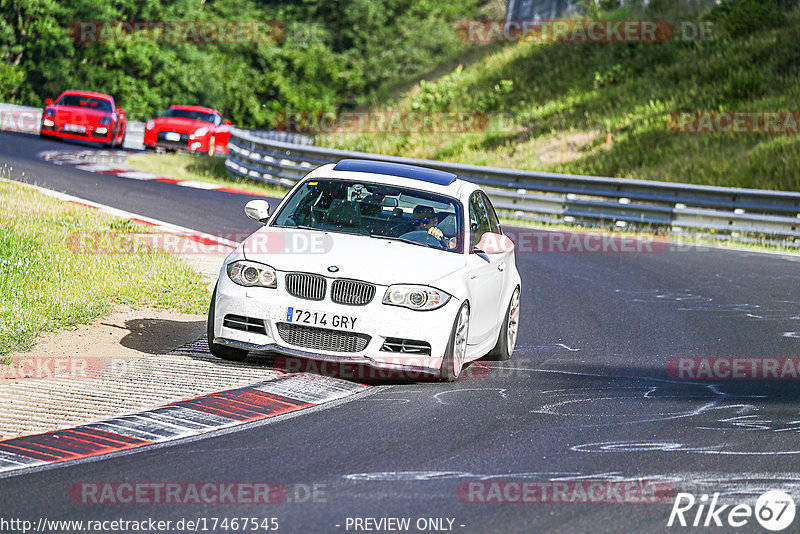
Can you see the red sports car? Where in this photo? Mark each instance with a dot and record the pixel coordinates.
(192, 128)
(85, 116)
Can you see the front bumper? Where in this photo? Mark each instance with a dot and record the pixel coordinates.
(377, 320)
(157, 139)
(90, 135)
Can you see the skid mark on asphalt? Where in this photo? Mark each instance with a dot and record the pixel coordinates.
(500, 391)
(689, 301)
(657, 400)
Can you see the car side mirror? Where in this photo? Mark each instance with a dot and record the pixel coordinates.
(227, 123)
(258, 210)
(491, 243)
(48, 102)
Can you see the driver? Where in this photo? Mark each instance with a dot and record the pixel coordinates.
(425, 219)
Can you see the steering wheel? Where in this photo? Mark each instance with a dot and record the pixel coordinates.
(423, 237)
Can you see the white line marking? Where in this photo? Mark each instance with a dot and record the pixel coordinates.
(138, 175)
(198, 185)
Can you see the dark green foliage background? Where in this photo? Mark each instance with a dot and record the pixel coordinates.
(336, 53)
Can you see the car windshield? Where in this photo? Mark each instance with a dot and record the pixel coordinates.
(84, 102)
(375, 210)
(188, 114)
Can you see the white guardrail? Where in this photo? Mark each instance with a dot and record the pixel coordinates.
(558, 198)
(25, 119)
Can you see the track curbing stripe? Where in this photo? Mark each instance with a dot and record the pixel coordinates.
(206, 413)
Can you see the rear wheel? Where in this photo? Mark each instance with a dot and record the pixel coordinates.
(453, 360)
(221, 351)
(508, 333)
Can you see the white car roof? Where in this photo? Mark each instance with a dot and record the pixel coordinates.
(401, 175)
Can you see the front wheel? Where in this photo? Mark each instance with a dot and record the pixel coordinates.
(122, 138)
(453, 360)
(508, 333)
(221, 351)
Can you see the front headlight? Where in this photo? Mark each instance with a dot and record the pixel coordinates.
(415, 297)
(200, 132)
(105, 120)
(50, 112)
(251, 274)
(101, 131)
(150, 124)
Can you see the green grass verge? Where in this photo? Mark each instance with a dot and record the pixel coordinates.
(46, 287)
(200, 168)
(602, 108)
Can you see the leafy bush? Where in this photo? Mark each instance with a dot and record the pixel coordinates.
(742, 17)
(438, 96)
(334, 54)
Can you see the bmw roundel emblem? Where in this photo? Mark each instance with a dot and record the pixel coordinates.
(333, 269)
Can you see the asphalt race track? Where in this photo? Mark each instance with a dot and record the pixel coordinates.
(586, 397)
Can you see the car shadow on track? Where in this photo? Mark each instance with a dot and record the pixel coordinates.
(157, 336)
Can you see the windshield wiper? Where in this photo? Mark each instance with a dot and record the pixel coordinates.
(404, 240)
(328, 230)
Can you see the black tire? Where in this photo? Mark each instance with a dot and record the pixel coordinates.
(220, 351)
(448, 371)
(122, 139)
(501, 352)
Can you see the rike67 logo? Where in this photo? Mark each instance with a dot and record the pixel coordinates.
(774, 510)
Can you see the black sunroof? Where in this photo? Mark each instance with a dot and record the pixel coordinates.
(396, 169)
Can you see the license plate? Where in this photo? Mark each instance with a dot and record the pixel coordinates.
(322, 319)
(172, 136)
(74, 128)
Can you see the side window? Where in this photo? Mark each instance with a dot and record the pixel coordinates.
(478, 218)
(494, 223)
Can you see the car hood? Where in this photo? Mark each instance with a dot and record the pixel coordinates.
(187, 126)
(379, 261)
(79, 115)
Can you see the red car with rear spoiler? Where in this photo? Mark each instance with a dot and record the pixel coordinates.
(84, 116)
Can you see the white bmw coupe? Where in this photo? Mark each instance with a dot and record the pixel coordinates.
(390, 266)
